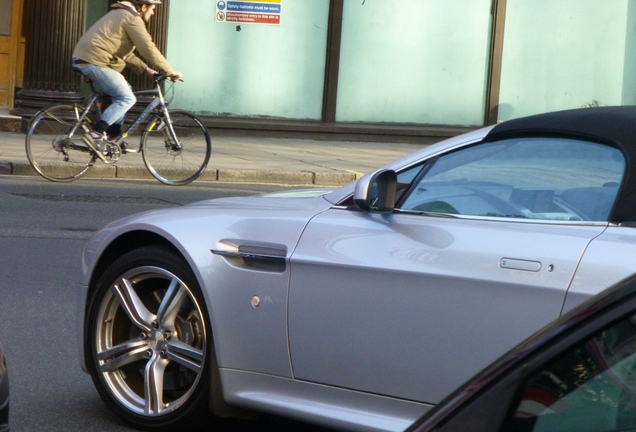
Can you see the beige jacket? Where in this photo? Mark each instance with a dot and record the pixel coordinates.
(111, 42)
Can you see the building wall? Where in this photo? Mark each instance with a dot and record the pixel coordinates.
(393, 67)
(250, 70)
(414, 61)
(421, 62)
(567, 54)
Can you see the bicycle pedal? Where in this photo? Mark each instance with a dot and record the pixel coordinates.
(127, 148)
(94, 149)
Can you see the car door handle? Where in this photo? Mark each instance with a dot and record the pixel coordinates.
(520, 264)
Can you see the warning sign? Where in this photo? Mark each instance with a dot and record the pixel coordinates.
(249, 11)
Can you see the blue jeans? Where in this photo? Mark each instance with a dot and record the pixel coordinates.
(113, 84)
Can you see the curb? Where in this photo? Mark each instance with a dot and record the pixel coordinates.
(305, 178)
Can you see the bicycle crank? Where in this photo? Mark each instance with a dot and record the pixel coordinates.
(112, 152)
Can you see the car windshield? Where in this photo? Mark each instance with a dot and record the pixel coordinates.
(530, 178)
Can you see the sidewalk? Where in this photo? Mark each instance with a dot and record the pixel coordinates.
(234, 159)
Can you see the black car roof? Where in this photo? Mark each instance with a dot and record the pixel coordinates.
(615, 126)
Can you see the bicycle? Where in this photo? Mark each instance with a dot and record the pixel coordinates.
(175, 145)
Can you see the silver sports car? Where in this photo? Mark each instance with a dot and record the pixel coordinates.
(361, 308)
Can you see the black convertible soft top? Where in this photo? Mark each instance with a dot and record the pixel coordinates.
(615, 126)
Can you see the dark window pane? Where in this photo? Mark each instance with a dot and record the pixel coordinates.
(590, 388)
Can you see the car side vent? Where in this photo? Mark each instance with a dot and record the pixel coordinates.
(264, 251)
(259, 256)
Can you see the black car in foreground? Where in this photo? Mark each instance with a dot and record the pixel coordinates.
(577, 374)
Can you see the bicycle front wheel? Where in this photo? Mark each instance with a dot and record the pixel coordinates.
(177, 155)
(54, 154)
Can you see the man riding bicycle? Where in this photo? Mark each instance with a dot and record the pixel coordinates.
(105, 50)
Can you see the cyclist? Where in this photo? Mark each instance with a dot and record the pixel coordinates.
(105, 50)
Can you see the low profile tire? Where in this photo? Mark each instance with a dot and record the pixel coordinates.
(148, 340)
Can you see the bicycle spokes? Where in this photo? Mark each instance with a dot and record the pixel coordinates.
(52, 150)
(176, 150)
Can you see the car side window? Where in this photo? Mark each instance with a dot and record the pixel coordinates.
(529, 178)
(590, 388)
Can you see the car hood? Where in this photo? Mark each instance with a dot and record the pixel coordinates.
(294, 198)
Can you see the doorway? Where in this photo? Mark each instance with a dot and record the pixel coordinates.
(11, 51)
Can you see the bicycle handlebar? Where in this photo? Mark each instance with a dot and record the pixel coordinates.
(160, 77)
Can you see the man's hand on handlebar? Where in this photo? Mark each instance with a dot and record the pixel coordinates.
(174, 76)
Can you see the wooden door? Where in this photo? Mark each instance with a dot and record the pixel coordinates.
(10, 19)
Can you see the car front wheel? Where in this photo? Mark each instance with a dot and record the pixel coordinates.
(148, 339)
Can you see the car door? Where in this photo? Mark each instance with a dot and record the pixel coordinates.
(478, 255)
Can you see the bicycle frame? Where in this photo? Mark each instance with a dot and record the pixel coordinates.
(158, 100)
(88, 104)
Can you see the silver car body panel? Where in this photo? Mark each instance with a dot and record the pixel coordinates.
(448, 268)
(608, 259)
(334, 407)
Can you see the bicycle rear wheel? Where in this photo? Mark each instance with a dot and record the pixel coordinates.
(51, 152)
(180, 158)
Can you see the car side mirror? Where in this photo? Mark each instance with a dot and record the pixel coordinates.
(375, 193)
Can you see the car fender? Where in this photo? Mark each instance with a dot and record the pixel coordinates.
(241, 331)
